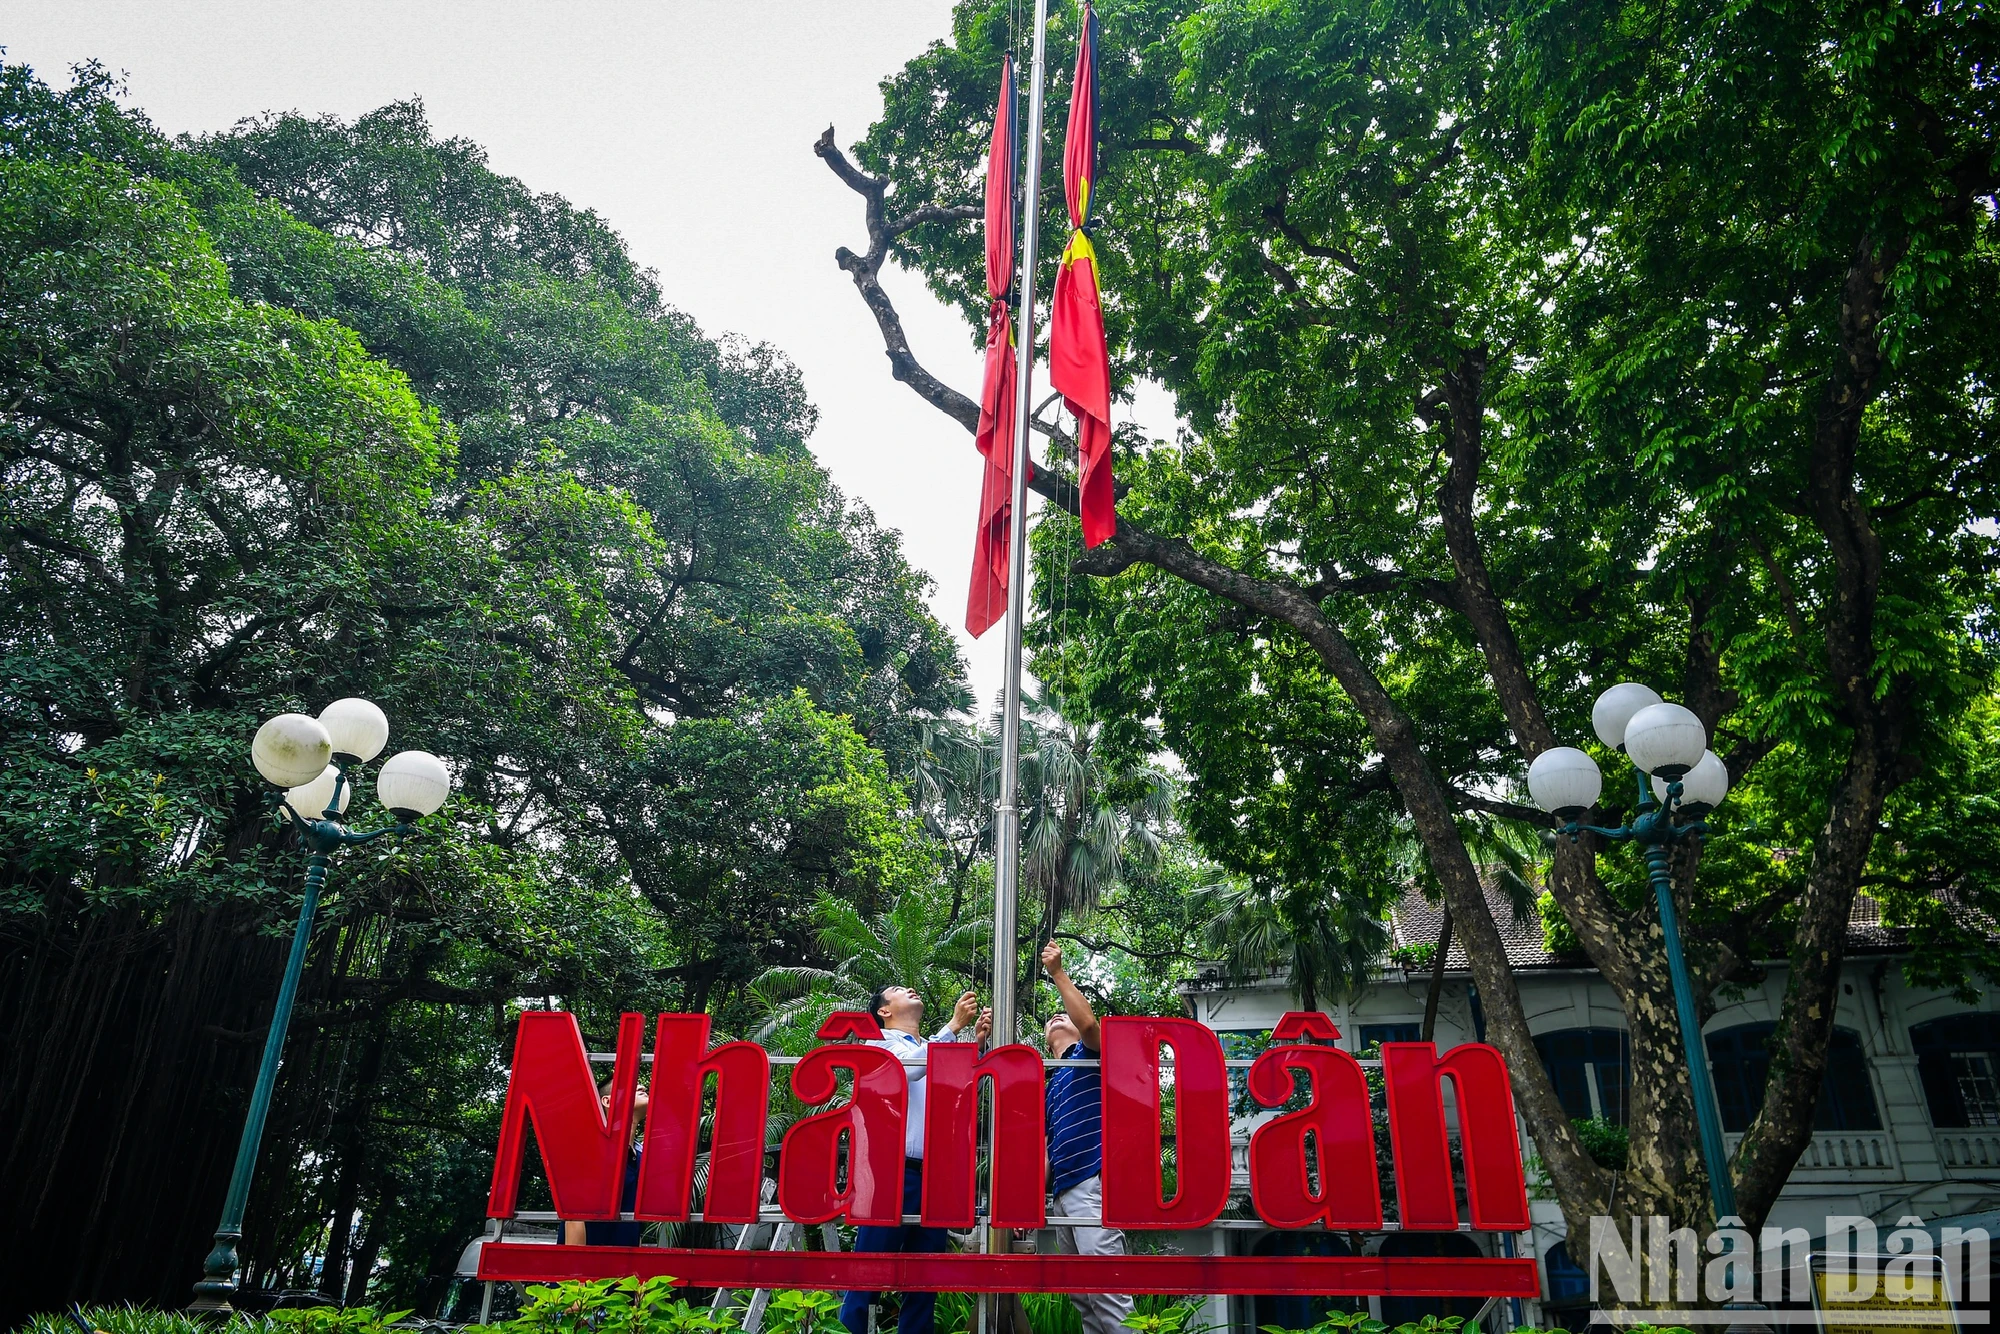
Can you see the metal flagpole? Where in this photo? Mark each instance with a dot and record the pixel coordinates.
(1007, 862)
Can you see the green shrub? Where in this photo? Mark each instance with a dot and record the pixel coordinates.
(614, 1306)
(1416, 958)
(334, 1320)
(131, 1320)
(632, 1306)
(792, 1312)
(147, 1321)
(1164, 1318)
(1606, 1142)
(1358, 1322)
(144, 1320)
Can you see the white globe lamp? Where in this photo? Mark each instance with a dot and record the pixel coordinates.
(412, 783)
(1702, 787)
(357, 727)
(1615, 707)
(1565, 782)
(310, 800)
(291, 750)
(1665, 740)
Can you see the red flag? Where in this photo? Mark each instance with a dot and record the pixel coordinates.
(986, 599)
(1079, 368)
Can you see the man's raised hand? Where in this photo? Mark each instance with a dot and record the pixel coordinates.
(965, 1011)
(1074, 1003)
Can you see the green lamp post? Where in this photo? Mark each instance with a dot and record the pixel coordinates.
(311, 765)
(1669, 744)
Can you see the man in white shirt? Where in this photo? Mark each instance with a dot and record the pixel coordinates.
(901, 1012)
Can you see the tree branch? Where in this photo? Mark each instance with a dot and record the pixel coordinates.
(1274, 214)
(1101, 945)
(1506, 810)
(1440, 591)
(866, 271)
(929, 213)
(1601, 927)
(1443, 158)
(1423, 791)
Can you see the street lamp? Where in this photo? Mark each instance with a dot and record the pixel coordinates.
(310, 764)
(1677, 773)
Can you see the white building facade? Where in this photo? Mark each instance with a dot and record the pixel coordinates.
(1908, 1122)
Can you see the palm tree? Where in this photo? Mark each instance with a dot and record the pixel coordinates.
(909, 945)
(1329, 943)
(953, 795)
(1503, 854)
(1082, 819)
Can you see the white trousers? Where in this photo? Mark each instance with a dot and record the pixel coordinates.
(1102, 1312)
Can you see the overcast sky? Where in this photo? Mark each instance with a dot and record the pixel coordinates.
(688, 125)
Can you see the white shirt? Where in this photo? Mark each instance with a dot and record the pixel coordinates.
(908, 1047)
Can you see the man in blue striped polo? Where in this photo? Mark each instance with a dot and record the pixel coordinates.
(1076, 1141)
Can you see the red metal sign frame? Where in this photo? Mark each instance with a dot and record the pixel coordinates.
(845, 1163)
(1178, 1275)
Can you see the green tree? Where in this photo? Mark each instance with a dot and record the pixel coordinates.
(312, 409)
(911, 944)
(1521, 352)
(1085, 816)
(739, 831)
(1327, 950)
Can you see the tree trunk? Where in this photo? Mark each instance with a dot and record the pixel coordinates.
(155, 1042)
(1435, 991)
(1783, 1124)
(1666, 1174)
(339, 1237)
(364, 1260)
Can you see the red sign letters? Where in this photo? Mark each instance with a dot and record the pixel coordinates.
(846, 1163)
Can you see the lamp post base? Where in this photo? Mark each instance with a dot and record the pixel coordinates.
(218, 1279)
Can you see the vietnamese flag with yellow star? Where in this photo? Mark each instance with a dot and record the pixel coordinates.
(986, 597)
(1079, 368)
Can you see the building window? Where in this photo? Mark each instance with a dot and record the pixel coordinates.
(1373, 1035)
(1300, 1310)
(1740, 1063)
(1958, 1060)
(1591, 1069)
(1409, 1310)
(1972, 1071)
(1569, 1286)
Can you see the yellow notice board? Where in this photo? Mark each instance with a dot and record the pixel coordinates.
(1920, 1301)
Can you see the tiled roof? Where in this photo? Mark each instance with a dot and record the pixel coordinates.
(1866, 930)
(1415, 921)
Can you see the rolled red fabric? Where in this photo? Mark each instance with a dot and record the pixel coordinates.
(1079, 366)
(986, 596)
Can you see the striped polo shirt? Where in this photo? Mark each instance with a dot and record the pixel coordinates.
(1076, 1120)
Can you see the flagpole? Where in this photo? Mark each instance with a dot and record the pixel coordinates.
(1007, 862)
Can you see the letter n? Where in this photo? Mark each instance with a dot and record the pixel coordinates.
(1338, 1119)
(951, 1127)
(1495, 1188)
(871, 1122)
(1609, 1257)
(1132, 1195)
(583, 1150)
(682, 1063)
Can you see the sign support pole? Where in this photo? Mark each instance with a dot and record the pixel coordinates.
(1007, 859)
(1007, 863)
